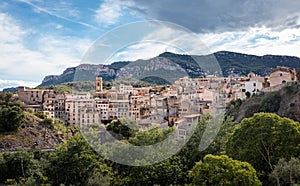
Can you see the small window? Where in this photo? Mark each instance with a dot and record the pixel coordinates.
(280, 74)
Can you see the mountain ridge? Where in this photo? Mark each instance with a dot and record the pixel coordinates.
(231, 64)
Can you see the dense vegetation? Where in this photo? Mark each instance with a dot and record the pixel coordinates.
(11, 113)
(259, 150)
(284, 102)
(263, 139)
(244, 64)
(229, 172)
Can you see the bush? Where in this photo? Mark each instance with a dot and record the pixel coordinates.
(11, 118)
(40, 114)
(11, 113)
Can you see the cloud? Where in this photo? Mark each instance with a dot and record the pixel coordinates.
(109, 12)
(143, 40)
(4, 83)
(142, 50)
(257, 41)
(52, 53)
(208, 16)
(163, 37)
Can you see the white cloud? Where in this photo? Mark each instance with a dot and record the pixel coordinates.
(15, 83)
(52, 54)
(142, 50)
(163, 37)
(257, 41)
(109, 12)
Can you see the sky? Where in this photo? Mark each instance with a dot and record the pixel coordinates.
(44, 37)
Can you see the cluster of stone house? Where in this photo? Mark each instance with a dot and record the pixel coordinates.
(178, 104)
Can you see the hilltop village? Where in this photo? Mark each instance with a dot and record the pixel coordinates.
(177, 104)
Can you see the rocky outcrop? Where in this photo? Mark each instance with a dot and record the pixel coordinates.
(177, 65)
(31, 135)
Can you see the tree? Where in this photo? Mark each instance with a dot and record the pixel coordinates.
(11, 113)
(40, 114)
(222, 170)
(11, 118)
(263, 139)
(19, 166)
(122, 128)
(168, 172)
(75, 163)
(191, 153)
(150, 136)
(286, 172)
(48, 121)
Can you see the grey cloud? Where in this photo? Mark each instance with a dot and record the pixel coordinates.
(204, 16)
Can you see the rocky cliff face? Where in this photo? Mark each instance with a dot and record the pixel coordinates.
(31, 135)
(158, 67)
(85, 72)
(169, 66)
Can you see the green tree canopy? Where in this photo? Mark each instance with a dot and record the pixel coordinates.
(122, 128)
(263, 139)
(75, 163)
(11, 113)
(18, 166)
(191, 152)
(222, 170)
(286, 172)
(151, 136)
(168, 172)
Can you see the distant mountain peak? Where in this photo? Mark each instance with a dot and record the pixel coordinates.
(231, 63)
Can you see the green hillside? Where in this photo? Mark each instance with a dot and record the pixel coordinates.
(285, 103)
(230, 63)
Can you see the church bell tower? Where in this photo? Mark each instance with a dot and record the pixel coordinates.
(98, 84)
